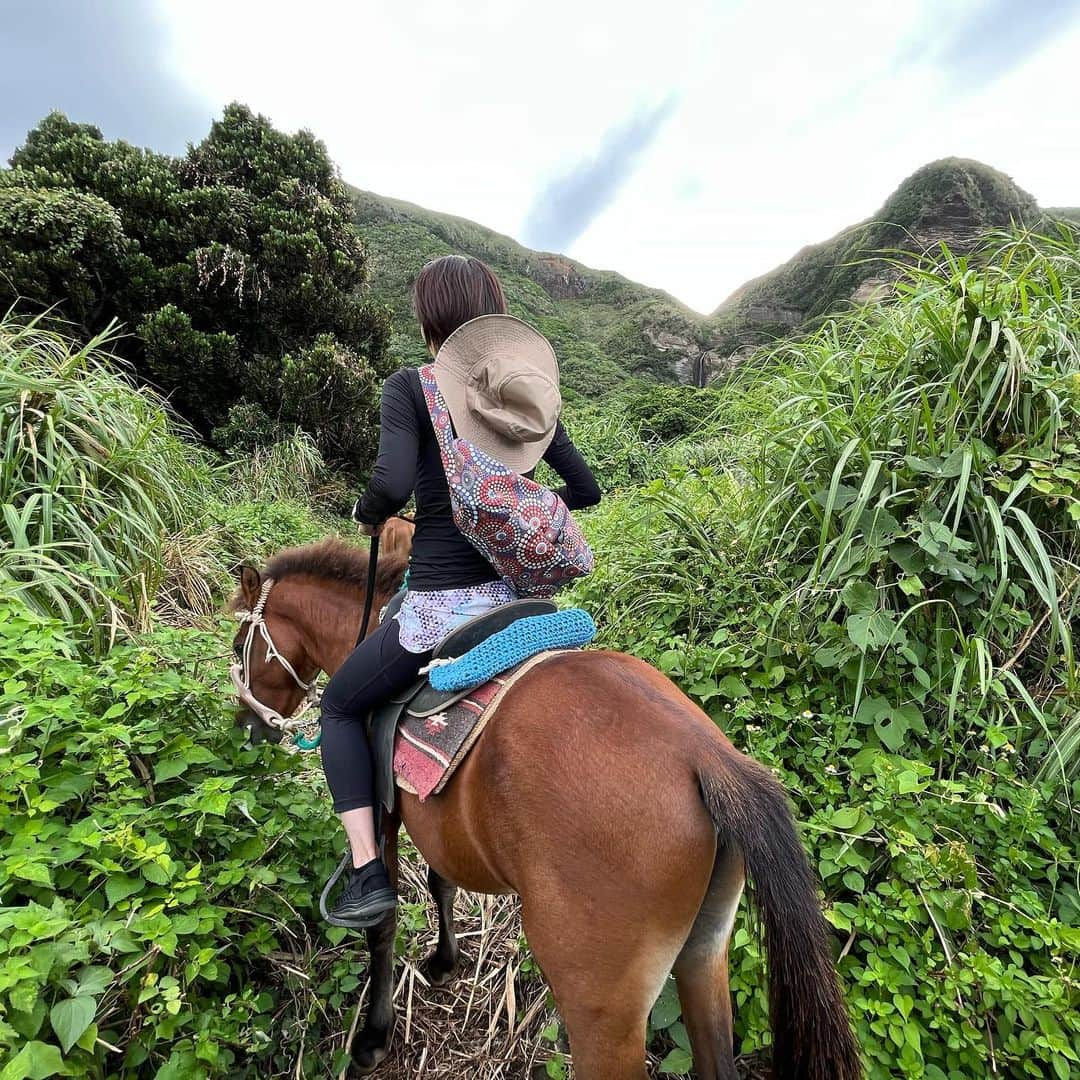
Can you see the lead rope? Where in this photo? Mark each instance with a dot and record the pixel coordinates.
(346, 860)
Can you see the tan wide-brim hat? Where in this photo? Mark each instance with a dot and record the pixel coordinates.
(500, 380)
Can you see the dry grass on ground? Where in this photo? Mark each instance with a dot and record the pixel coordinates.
(487, 1024)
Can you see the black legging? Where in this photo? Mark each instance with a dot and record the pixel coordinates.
(375, 670)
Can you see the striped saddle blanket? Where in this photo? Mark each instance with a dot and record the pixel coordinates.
(428, 748)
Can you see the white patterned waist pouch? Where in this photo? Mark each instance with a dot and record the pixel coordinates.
(425, 618)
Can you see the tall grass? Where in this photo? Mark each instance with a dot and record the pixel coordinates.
(901, 512)
(923, 470)
(95, 474)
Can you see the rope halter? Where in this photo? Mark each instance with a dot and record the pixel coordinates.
(241, 673)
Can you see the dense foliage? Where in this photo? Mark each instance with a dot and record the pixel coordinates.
(876, 597)
(235, 268)
(111, 510)
(860, 557)
(153, 884)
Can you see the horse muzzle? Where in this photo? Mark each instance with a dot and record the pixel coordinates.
(263, 723)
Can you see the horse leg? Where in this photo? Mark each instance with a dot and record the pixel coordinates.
(605, 976)
(701, 972)
(372, 1044)
(441, 966)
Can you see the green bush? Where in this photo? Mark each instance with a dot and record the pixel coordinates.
(236, 267)
(157, 878)
(667, 413)
(922, 480)
(110, 508)
(876, 602)
(96, 474)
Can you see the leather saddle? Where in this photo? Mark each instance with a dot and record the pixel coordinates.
(422, 699)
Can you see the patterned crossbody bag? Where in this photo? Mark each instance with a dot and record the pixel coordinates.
(521, 527)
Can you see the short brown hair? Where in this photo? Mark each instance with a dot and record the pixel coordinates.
(451, 291)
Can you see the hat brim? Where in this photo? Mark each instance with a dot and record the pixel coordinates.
(469, 344)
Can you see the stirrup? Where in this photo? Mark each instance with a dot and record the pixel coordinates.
(335, 877)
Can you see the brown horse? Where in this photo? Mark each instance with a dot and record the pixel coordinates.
(622, 817)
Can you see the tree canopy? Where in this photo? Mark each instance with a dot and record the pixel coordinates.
(236, 269)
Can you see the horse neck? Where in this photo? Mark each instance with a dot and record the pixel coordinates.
(328, 614)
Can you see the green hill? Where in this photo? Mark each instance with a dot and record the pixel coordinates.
(605, 328)
(953, 201)
(608, 330)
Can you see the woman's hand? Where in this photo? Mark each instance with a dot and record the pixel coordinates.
(365, 528)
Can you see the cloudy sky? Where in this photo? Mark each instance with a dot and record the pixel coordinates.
(687, 144)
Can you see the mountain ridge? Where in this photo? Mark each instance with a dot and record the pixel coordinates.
(608, 330)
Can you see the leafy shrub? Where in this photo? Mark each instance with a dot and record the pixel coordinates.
(667, 413)
(95, 475)
(251, 531)
(110, 509)
(876, 602)
(923, 485)
(613, 447)
(157, 878)
(237, 267)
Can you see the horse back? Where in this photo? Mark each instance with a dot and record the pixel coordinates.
(591, 752)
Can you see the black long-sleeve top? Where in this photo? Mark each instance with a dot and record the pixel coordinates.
(408, 462)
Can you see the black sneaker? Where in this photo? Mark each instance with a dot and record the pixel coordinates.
(367, 898)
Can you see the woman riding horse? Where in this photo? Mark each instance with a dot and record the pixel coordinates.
(618, 812)
(499, 378)
(600, 794)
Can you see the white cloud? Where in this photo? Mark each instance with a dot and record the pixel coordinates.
(793, 120)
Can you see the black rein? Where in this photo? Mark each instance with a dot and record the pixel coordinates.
(369, 599)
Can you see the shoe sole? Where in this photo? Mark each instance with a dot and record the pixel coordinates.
(364, 922)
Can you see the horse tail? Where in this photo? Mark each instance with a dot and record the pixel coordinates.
(812, 1036)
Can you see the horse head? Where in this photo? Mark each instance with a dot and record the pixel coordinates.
(272, 673)
(299, 616)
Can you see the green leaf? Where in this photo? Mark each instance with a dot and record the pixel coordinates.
(119, 886)
(35, 1061)
(665, 1012)
(732, 686)
(36, 872)
(892, 727)
(678, 1062)
(871, 631)
(167, 770)
(556, 1068)
(911, 585)
(71, 1018)
(678, 1033)
(94, 980)
(858, 596)
(854, 881)
(907, 782)
(846, 818)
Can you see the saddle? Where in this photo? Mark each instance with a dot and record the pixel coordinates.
(422, 699)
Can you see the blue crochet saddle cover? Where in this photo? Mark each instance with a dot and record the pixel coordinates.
(521, 640)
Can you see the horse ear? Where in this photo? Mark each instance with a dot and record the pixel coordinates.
(250, 585)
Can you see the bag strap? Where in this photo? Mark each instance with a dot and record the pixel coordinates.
(439, 414)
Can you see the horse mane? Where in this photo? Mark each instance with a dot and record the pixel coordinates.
(334, 560)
